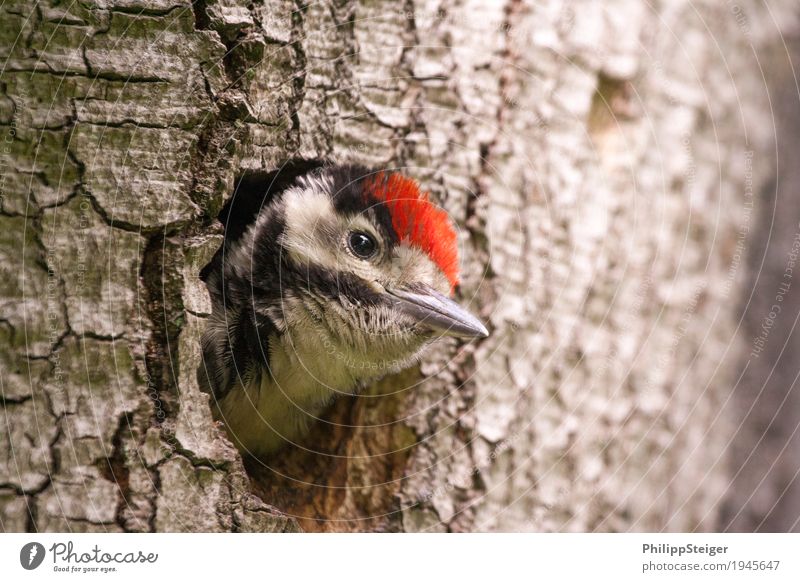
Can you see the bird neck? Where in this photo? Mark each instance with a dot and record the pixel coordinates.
(307, 370)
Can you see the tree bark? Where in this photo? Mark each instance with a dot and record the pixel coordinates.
(765, 491)
(600, 159)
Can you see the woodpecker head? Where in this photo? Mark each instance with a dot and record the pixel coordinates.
(362, 258)
(349, 270)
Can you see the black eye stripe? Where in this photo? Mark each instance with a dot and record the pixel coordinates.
(362, 244)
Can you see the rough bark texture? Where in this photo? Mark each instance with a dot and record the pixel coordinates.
(600, 158)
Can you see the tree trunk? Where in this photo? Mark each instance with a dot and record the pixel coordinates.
(764, 494)
(599, 158)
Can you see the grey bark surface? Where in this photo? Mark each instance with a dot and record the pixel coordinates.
(600, 159)
(765, 489)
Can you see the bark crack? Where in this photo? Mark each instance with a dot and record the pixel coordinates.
(114, 468)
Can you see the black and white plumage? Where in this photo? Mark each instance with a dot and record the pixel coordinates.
(330, 276)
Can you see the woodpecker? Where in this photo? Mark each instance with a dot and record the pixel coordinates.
(330, 276)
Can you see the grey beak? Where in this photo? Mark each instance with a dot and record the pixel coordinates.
(436, 312)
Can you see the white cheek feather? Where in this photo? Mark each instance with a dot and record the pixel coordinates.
(309, 224)
(315, 232)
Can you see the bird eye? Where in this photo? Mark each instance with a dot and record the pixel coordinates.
(362, 245)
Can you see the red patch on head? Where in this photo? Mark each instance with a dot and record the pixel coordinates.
(417, 221)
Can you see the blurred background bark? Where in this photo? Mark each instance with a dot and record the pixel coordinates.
(765, 491)
(606, 163)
